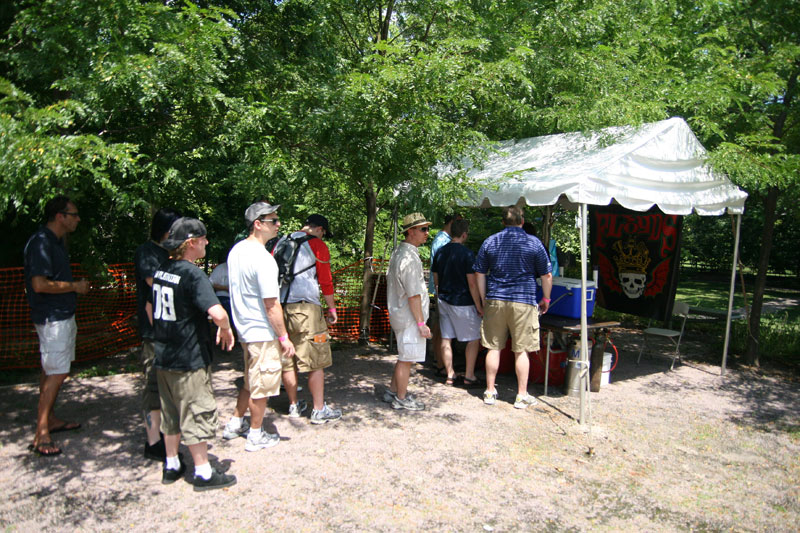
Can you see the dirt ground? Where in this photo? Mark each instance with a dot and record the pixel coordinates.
(685, 450)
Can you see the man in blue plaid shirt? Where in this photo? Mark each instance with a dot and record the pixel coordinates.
(506, 269)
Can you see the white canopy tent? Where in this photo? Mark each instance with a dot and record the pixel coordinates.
(660, 163)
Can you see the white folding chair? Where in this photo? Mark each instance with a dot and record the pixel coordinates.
(680, 309)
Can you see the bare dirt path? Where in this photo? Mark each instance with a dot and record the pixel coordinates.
(666, 451)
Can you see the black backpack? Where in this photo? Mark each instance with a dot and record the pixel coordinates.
(285, 254)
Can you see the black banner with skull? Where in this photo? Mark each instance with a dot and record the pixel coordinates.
(637, 255)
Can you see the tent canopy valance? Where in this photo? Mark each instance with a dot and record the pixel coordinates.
(660, 163)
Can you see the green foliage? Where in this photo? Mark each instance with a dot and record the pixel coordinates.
(346, 108)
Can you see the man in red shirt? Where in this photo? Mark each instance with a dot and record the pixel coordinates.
(305, 322)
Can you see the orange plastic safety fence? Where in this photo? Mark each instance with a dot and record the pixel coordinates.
(106, 317)
(348, 282)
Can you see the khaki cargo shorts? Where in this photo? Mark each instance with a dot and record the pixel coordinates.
(187, 404)
(520, 320)
(262, 368)
(308, 332)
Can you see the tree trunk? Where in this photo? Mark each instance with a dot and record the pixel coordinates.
(770, 215)
(367, 279)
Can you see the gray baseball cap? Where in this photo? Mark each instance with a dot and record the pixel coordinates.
(257, 210)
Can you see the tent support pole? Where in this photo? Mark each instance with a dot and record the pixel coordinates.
(584, 370)
(730, 296)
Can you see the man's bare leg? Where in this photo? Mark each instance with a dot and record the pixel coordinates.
(242, 403)
(152, 425)
(48, 392)
(471, 354)
(446, 348)
(199, 453)
(316, 384)
(492, 364)
(171, 443)
(436, 340)
(522, 365)
(257, 409)
(290, 384)
(402, 371)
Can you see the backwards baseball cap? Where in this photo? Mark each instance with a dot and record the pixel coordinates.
(320, 222)
(258, 209)
(182, 230)
(413, 220)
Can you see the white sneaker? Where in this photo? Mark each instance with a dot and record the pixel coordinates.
(231, 432)
(489, 398)
(522, 402)
(326, 414)
(265, 440)
(296, 409)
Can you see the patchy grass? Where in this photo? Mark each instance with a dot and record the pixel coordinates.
(779, 335)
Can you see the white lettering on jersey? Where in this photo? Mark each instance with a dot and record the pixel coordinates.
(168, 277)
(164, 303)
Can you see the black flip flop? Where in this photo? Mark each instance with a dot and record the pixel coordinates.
(473, 383)
(37, 449)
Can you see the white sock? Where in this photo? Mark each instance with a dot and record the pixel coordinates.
(203, 471)
(236, 421)
(254, 433)
(173, 463)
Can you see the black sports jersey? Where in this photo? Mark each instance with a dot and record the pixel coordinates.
(182, 296)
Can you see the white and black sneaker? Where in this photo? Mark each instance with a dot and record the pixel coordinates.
(409, 403)
(231, 432)
(326, 414)
(264, 440)
(297, 409)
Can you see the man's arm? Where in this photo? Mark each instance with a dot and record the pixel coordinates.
(41, 284)
(547, 286)
(332, 317)
(480, 281)
(472, 282)
(415, 305)
(324, 276)
(436, 283)
(224, 333)
(275, 317)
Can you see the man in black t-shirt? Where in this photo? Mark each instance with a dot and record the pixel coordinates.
(52, 296)
(182, 299)
(147, 259)
(459, 303)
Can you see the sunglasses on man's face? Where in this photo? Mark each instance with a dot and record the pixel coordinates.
(424, 229)
(272, 220)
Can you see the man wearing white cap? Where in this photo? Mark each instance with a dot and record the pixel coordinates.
(257, 313)
(408, 301)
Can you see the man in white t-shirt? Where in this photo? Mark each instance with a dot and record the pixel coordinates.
(258, 316)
